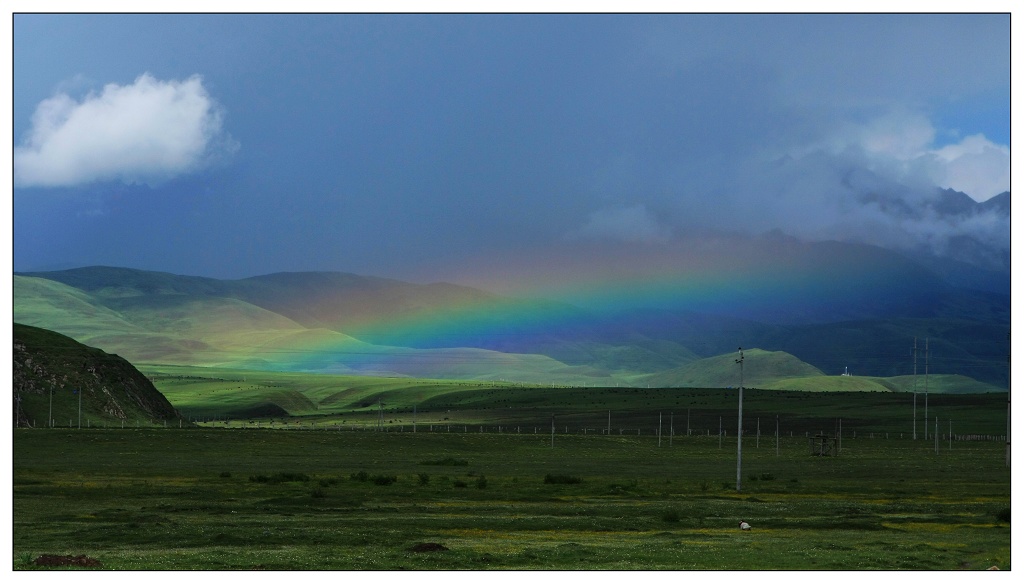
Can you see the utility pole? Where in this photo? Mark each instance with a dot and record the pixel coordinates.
(79, 392)
(926, 388)
(739, 429)
(915, 388)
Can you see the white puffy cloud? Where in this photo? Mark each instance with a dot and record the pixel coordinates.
(975, 166)
(146, 132)
(900, 146)
(630, 224)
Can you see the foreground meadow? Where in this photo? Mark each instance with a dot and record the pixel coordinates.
(225, 499)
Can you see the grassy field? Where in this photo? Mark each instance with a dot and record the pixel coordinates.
(247, 398)
(154, 499)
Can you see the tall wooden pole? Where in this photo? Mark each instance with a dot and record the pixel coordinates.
(739, 429)
(915, 388)
(926, 388)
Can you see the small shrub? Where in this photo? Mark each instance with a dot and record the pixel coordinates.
(384, 480)
(481, 482)
(1003, 516)
(704, 485)
(317, 493)
(360, 476)
(328, 482)
(281, 477)
(424, 478)
(460, 484)
(449, 461)
(225, 475)
(670, 516)
(551, 479)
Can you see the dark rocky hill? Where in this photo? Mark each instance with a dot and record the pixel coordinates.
(112, 390)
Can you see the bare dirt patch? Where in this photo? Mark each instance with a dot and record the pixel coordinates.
(51, 560)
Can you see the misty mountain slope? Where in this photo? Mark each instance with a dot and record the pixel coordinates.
(831, 305)
(831, 281)
(78, 312)
(884, 347)
(210, 318)
(152, 318)
(113, 282)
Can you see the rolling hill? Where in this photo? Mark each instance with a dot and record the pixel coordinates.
(55, 374)
(847, 306)
(760, 368)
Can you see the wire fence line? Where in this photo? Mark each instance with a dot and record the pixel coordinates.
(513, 429)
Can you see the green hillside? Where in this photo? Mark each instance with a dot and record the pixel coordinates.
(161, 320)
(348, 324)
(760, 368)
(78, 384)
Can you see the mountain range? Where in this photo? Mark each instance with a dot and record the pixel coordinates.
(831, 306)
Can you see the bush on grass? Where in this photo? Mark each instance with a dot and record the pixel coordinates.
(449, 461)
(551, 479)
(281, 477)
(1003, 516)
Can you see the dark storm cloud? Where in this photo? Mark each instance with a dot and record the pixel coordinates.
(387, 144)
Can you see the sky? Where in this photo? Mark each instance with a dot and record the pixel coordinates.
(411, 146)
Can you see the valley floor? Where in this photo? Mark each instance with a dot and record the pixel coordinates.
(217, 499)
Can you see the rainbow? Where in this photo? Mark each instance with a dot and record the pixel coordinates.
(607, 294)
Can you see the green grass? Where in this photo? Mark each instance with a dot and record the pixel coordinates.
(183, 499)
(243, 398)
(937, 384)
